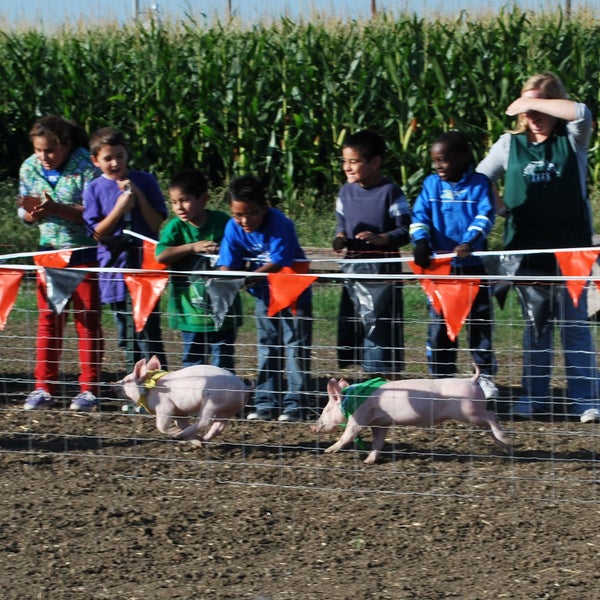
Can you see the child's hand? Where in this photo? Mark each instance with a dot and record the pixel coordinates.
(205, 247)
(377, 239)
(463, 250)
(422, 254)
(44, 207)
(339, 243)
(126, 200)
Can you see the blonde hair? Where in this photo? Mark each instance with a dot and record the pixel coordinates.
(547, 83)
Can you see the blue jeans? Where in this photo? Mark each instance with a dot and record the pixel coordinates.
(209, 347)
(282, 337)
(141, 344)
(579, 353)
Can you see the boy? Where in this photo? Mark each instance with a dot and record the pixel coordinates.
(454, 213)
(184, 241)
(266, 237)
(373, 217)
(123, 199)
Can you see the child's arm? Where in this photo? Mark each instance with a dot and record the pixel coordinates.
(480, 227)
(175, 253)
(153, 218)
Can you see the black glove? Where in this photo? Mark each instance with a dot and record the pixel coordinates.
(422, 254)
(339, 243)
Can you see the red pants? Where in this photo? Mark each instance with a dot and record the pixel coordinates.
(86, 309)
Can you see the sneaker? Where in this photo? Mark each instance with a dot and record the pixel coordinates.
(290, 417)
(521, 410)
(260, 415)
(591, 415)
(38, 400)
(131, 408)
(84, 402)
(489, 387)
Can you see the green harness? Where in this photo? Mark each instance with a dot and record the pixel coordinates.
(354, 395)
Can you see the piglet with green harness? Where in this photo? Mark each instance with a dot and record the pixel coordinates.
(379, 404)
(187, 401)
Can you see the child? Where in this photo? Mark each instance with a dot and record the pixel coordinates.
(123, 199)
(267, 236)
(455, 213)
(195, 231)
(373, 217)
(58, 170)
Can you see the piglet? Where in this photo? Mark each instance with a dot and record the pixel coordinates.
(210, 394)
(422, 402)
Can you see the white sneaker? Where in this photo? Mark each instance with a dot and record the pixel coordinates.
(590, 415)
(489, 387)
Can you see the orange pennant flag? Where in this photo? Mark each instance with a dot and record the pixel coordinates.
(456, 298)
(149, 262)
(10, 280)
(145, 290)
(54, 260)
(285, 287)
(438, 266)
(576, 264)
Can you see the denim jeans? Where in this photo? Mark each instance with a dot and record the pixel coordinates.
(283, 337)
(579, 353)
(141, 344)
(209, 347)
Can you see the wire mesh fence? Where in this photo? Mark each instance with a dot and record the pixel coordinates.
(553, 456)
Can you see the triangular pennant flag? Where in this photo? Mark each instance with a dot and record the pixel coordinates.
(222, 292)
(537, 300)
(576, 264)
(285, 287)
(371, 301)
(145, 290)
(10, 280)
(149, 262)
(56, 260)
(438, 266)
(456, 299)
(60, 285)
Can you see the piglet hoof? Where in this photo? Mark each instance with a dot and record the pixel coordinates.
(332, 449)
(196, 442)
(371, 458)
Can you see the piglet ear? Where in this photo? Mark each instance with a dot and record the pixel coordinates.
(153, 363)
(333, 391)
(140, 369)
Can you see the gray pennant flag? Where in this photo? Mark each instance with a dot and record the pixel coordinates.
(60, 284)
(371, 300)
(222, 292)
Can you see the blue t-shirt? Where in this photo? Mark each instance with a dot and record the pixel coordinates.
(275, 241)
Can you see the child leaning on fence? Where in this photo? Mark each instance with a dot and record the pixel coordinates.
(123, 199)
(454, 213)
(373, 217)
(185, 241)
(265, 239)
(51, 183)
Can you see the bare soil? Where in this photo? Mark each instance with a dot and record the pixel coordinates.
(102, 506)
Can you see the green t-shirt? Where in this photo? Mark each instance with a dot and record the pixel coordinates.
(189, 306)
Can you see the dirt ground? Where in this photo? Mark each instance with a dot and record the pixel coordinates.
(102, 506)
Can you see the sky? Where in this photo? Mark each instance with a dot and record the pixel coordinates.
(54, 13)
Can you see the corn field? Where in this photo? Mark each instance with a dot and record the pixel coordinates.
(278, 99)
